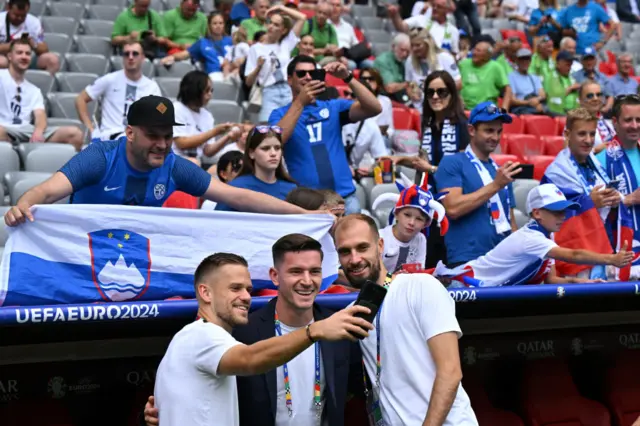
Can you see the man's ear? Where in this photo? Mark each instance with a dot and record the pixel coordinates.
(273, 274)
(204, 293)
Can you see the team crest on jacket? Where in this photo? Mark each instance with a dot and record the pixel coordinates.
(158, 191)
(324, 113)
(120, 263)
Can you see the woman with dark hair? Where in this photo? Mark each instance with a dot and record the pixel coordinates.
(262, 167)
(373, 79)
(209, 50)
(196, 137)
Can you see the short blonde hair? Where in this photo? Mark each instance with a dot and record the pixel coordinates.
(580, 114)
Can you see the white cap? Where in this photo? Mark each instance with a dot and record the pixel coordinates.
(548, 197)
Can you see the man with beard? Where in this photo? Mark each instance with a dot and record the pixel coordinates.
(416, 379)
(195, 383)
(139, 170)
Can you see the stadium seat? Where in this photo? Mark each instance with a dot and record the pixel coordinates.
(367, 184)
(331, 80)
(382, 213)
(380, 189)
(550, 398)
(521, 218)
(226, 92)
(97, 27)
(378, 36)
(105, 12)
(370, 23)
(9, 159)
(177, 70)
(493, 32)
(74, 11)
(172, 4)
(26, 184)
(170, 86)
(408, 172)
(500, 159)
(361, 195)
(540, 164)
(524, 146)
(49, 158)
(74, 82)
(42, 79)
(539, 125)
(552, 144)
(379, 48)
(60, 24)
(521, 188)
(361, 11)
(158, 5)
(38, 8)
(87, 63)
(508, 33)
(58, 43)
(94, 44)
(70, 122)
(63, 105)
(623, 389)
(11, 178)
(147, 67)
(225, 111)
(561, 123)
(402, 119)
(516, 126)
(486, 413)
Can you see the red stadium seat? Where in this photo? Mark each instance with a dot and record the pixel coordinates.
(507, 34)
(524, 146)
(342, 90)
(539, 125)
(331, 80)
(500, 159)
(309, 12)
(402, 118)
(516, 126)
(540, 164)
(561, 122)
(623, 389)
(552, 144)
(416, 120)
(550, 398)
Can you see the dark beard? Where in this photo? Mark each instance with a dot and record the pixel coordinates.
(359, 282)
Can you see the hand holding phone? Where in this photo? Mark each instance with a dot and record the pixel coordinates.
(613, 184)
(318, 74)
(371, 296)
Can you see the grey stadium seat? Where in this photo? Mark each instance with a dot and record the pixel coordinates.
(87, 63)
(361, 11)
(226, 92)
(63, 105)
(378, 36)
(382, 189)
(59, 122)
(4, 236)
(367, 184)
(24, 185)
(371, 23)
(94, 44)
(12, 178)
(494, 33)
(2, 203)
(157, 5)
(9, 160)
(114, 3)
(70, 10)
(361, 195)
(97, 27)
(225, 111)
(486, 23)
(80, 2)
(38, 8)
(177, 70)
(632, 45)
(74, 82)
(503, 24)
(107, 12)
(172, 4)
(60, 25)
(147, 66)
(379, 48)
(169, 86)
(42, 79)
(49, 158)
(521, 188)
(59, 43)
(521, 218)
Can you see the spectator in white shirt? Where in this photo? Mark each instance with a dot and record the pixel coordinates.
(197, 137)
(426, 58)
(569, 44)
(346, 34)
(21, 99)
(116, 91)
(373, 80)
(16, 22)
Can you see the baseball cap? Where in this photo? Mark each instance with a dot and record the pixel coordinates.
(152, 111)
(488, 111)
(523, 53)
(563, 55)
(589, 52)
(548, 196)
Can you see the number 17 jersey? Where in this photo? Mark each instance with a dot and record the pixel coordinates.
(315, 154)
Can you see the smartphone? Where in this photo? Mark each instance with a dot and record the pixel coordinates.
(371, 296)
(526, 172)
(24, 36)
(318, 74)
(613, 184)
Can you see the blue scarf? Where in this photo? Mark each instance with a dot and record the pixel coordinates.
(448, 143)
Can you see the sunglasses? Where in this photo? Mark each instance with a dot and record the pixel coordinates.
(131, 54)
(545, 39)
(493, 109)
(367, 78)
(236, 165)
(18, 96)
(349, 95)
(514, 39)
(594, 95)
(265, 129)
(617, 98)
(441, 92)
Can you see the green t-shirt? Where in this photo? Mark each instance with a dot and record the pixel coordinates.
(252, 26)
(540, 67)
(184, 31)
(555, 87)
(480, 84)
(505, 64)
(321, 37)
(127, 22)
(389, 68)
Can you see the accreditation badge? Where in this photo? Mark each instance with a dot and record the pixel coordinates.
(374, 410)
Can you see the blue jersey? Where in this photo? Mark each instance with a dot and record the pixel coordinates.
(315, 153)
(279, 189)
(211, 53)
(101, 174)
(474, 234)
(536, 17)
(586, 22)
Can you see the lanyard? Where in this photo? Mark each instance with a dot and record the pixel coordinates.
(593, 169)
(317, 396)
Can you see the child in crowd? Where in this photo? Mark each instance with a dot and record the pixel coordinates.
(333, 202)
(228, 168)
(527, 256)
(236, 56)
(404, 240)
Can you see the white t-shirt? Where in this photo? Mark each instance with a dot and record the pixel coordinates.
(346, 34)
(301, 378)
(385, 118)
(16, 108)
(446, 36)
(30, 25)
(416, 308)
(397, 253)
(613, 15)
(277, 57)
(417, 10)
(369, 140)
(513, 259)
(194, 124)
(188, 389)
(117, 93)
(240, 50)
(446, 62)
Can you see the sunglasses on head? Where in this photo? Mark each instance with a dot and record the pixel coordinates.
(441, 92)
(134, 53)
(493, 109)
(265, 129)
(594, 95)
(620, 98)
(545, 39)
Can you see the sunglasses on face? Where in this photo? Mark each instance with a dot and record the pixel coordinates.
(594, 95)
(367, 78)
(302, 73)
(349, 95)
(441, 92)
(133, 54)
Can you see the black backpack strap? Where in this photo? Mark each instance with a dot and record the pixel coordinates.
(7, 27)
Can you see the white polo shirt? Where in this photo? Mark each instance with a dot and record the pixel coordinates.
(188, 389)
(446, 35)
(16, 108)
(117, 93)
(277, 57)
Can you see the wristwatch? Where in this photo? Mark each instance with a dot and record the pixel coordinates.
(348, 79)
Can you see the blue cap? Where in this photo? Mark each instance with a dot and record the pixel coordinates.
(589, 51)
(488, 111)
(463, 33)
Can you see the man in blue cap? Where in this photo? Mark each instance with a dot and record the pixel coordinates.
(480, 197)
